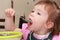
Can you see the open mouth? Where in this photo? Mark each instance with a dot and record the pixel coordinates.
(29, 22)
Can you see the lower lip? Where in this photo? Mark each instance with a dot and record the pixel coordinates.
(29, 24)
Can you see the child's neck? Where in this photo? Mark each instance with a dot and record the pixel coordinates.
(39, 36)
(41, 32)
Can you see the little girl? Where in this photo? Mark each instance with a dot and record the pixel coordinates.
(43, 22)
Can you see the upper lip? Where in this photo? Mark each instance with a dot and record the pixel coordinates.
(29, 20)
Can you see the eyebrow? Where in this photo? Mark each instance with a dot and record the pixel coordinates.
(41, 11)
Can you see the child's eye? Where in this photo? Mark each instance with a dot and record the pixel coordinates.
(32, 11)
(38, 13)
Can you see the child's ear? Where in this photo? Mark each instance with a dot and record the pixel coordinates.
(49, 25)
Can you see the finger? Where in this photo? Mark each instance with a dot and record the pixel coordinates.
(7, 11)
(12, 12)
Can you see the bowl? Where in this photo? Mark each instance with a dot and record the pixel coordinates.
(10, 35)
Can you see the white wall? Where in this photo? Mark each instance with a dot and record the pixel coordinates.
(4, 4)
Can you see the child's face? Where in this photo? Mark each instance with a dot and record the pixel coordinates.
(38, 17)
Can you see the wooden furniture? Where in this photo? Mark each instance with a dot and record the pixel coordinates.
(2, 20)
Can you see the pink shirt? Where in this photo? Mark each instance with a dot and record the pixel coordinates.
(26, 32)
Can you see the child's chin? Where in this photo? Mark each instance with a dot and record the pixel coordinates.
(30, 29)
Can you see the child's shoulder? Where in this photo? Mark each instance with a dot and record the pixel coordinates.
(59, 35)
(56, 37)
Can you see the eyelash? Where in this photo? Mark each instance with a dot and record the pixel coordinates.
(38, 13)
(32, 11)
